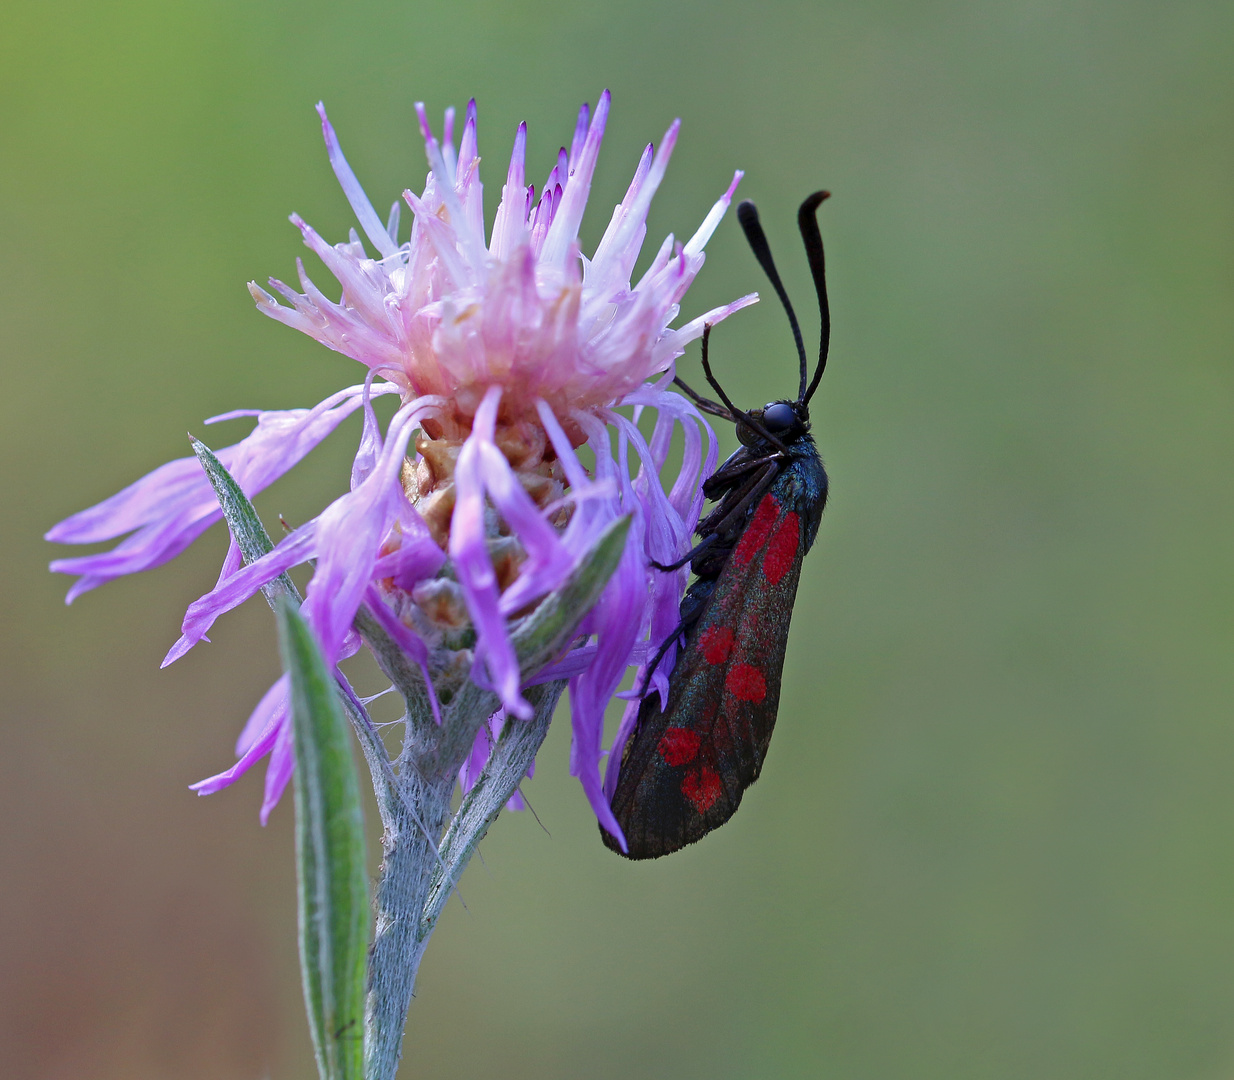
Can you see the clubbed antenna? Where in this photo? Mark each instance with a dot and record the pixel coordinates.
(747, 214)
(807, 222)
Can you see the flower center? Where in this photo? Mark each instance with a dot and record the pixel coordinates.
(429, 481)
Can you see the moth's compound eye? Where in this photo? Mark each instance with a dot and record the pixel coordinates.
(779, 417)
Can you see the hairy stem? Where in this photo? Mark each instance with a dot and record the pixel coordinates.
(420, 866)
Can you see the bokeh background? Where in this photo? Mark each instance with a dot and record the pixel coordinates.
(995, 834)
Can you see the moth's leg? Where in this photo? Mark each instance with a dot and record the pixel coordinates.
(706, 404)
(727, 473)
(682, 627)
(743, 498)
(722, 517)
(698, 548)
(692, 607)
(733, 502)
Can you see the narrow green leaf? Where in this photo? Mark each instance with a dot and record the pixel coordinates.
(331, 874)
(254, 542)
(246, 526)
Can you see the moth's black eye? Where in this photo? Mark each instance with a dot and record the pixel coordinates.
(779, 417)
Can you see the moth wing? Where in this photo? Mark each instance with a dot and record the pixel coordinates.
(684, 770)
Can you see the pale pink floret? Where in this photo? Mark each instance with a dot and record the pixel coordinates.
(449, 313)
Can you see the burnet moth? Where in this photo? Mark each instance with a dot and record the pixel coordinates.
(684, 769)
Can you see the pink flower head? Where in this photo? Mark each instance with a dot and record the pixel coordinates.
(508, 354)
(448, 313)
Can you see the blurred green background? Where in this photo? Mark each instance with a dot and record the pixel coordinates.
(995, 835)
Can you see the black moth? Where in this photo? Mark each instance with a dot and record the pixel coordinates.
(683, 771)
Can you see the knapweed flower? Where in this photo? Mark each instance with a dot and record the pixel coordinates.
(507, 357)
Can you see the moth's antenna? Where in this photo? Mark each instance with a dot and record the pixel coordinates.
(807, 222)
(735, 414)
(747, 214)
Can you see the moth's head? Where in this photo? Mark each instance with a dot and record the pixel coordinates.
(785, 420)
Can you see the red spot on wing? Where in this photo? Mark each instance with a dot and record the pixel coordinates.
(783, 548)
(746, 683)
(757, 531)
(702, 788)
(716, 643)
(678, 745)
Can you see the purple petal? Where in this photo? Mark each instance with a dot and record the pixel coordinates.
(469, 550)
(173, 505)
(233, 590)
(472, 246)
(360, 205)
(406, 639)
(617, 621)
(278, 772)
(370, 438)
(563, 233)
(272, 701)
(606, 251)
(674, 342)
(580, 133)
(447, 133)
(256, 740)
(417, 556)
(486, 738)
(474, 764)
(612, 769)
(509, 226)
(349, 536)
(623, 243)
(171, 487)
(715, 215)
(410, 564)
(150, 547)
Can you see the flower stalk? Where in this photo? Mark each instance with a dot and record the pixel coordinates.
(425, 847)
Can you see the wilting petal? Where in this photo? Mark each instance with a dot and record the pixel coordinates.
(235, 588)
(406, 639)
(617, 620)
(349, 534)
(173, 505)
(278, 771)
(256, 740)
